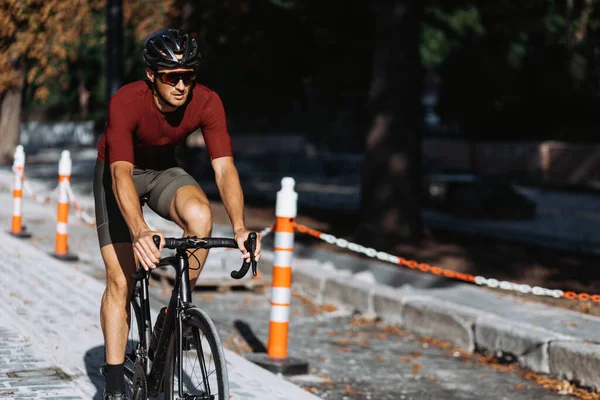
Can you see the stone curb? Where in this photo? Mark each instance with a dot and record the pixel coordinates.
(535, 348)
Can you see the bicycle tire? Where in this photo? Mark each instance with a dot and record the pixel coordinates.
(133, 342)
(207, 338)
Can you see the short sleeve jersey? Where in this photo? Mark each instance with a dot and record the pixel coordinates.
(137, 132)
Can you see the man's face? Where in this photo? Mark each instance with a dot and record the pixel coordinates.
(174, 85)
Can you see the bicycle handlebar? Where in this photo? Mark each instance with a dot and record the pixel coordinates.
(193, 242)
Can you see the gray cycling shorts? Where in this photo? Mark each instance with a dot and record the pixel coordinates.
(158, 186)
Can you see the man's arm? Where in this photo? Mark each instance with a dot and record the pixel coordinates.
(230, 189)
(129, 204)
(126, 195)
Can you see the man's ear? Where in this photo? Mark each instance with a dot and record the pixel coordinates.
(150, 74)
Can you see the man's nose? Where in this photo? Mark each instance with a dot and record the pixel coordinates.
(180, 85)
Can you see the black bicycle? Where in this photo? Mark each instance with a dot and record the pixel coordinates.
(182, 356)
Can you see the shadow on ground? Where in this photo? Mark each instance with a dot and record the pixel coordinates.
(94, 358)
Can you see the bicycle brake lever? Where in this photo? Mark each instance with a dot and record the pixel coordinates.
(250, 245)
(254, 263)
(251, 248)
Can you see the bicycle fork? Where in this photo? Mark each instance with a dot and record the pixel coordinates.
(145, 308)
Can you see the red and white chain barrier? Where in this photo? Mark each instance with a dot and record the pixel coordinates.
(424, 267)
(34, 196)
(81, 214)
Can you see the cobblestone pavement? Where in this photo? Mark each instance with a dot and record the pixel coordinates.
(23, 374)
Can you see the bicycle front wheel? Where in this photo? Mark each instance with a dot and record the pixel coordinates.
(203, 366)
(134, 343)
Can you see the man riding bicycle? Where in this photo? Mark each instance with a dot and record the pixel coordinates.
(147, 119)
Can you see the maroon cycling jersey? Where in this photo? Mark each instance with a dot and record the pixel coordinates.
(137, 132)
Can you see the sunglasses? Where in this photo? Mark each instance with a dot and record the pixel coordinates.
(173, 78)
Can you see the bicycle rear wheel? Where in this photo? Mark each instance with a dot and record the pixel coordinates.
(204, 368)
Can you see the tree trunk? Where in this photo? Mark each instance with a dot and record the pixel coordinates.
(10, 120)
(391, 175)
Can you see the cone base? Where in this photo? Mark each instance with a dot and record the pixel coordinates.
(21, 235)
(65, 257)
(284, 366)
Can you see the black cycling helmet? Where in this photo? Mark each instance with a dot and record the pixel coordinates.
(162, 47)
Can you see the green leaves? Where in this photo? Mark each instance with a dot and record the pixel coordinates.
(443, 31)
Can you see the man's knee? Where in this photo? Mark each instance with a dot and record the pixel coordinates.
(190, 209)
(196, 215)
(120, 265)
(118, 286)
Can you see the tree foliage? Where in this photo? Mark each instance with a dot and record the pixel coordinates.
(45, 36)
(516, 70)
(41, 33)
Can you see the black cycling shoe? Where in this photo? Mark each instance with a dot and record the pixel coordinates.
(115, 396)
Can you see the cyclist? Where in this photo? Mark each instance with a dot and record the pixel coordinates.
(136, 157)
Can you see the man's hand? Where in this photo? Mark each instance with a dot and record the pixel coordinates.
(240, 237)
(145, 250)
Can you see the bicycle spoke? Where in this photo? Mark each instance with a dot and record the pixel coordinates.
(198, 364)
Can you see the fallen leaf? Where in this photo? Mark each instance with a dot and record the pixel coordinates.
(415, 369)
(342, 350)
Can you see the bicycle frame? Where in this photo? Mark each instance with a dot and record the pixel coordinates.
(179, 302)
(179, 307)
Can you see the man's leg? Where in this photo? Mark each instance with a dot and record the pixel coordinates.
(191, 211)
(114, 311)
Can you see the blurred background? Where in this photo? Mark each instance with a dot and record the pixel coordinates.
(398, 119)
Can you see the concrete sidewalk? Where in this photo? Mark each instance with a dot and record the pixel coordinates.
(51, 344)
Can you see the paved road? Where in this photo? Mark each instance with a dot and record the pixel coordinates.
(349, 357)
